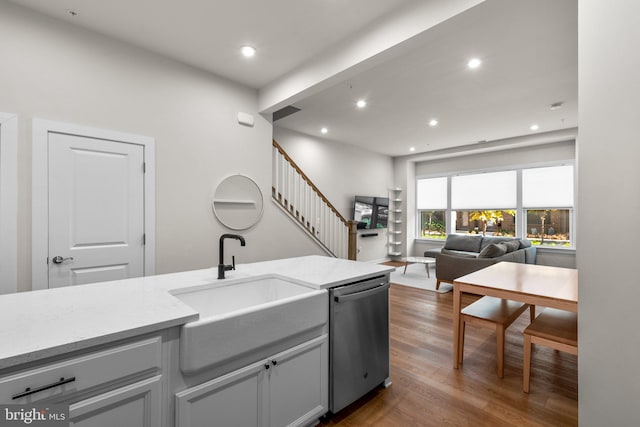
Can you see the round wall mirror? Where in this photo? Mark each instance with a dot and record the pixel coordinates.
(237, 202)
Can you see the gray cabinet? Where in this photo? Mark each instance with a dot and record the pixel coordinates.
(289, 388)
(138, 404)
(299, 384)
(233, 400)
(115, 386)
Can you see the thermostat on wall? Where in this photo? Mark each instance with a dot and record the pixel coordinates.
(245, 119)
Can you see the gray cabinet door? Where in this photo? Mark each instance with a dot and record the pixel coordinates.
(136, 405)
(233, 400)
(298, 384)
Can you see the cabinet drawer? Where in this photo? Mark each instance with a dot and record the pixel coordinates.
(82, 372)
(138, 404)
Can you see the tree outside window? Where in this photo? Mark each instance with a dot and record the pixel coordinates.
(549, 227)
(492, 222)
(433, 224)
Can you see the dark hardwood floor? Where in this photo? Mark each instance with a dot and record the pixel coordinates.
(427, 391)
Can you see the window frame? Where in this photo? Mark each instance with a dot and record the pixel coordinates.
(521, 221)
(446, 210)
(419, 224)
(571, 226)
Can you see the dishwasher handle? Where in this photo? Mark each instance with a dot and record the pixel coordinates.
(363, 294)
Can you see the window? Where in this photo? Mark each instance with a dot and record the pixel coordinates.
(488, 222)
(484, 191)
(485, 203)
(433, 224)
(432, 207)
(536, 203)
(550, 227)
(547, 198)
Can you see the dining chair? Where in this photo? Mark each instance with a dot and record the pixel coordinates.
(494, 313)
(557, 329)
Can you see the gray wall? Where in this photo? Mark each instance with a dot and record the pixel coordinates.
(56, 71)
(341, 172)
(608, 199)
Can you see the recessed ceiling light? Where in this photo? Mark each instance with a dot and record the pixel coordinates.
(412, 149)
(534, 127)
(361, 103)
(474, 63)
(433, 122)
(324, 130)
(248, 51)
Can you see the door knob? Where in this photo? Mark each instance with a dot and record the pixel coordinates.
(59, 260)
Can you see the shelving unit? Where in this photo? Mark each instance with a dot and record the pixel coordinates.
(394, 248)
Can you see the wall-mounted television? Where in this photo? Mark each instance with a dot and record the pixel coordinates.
(371, 212)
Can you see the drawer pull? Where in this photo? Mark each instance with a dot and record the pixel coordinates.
(27, 391)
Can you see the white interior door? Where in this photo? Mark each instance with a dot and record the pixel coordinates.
(96, 210)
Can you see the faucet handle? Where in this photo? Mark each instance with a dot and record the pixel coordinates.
(233, 262)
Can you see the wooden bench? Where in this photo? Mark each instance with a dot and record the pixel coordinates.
(557, 329)
(494, 313)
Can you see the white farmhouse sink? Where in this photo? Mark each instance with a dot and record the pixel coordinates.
(242, 316)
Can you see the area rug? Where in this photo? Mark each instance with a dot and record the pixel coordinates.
(416, 277)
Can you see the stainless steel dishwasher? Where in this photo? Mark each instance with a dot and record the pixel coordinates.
(358, 340)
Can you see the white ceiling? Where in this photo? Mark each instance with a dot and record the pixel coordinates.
(208, 34)
(528, 47)
(529, 50)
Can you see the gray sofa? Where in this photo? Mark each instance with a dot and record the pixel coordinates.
(465, 253)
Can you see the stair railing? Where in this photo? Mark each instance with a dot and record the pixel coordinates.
(294, 193)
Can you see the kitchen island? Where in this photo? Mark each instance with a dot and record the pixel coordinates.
(97, 328)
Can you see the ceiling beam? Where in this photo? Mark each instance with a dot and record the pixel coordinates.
(377, 43)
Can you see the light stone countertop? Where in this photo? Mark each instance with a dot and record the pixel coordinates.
(317, 271)
(40, 324)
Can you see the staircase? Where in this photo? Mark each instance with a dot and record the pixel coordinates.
(296, 195)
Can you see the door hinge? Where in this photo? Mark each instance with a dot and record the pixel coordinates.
(47, 260)
(144, 239)
(144, 167)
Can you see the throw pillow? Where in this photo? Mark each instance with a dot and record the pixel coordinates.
(463, 242)
(494, 250)
(524, 243)
(512, 245)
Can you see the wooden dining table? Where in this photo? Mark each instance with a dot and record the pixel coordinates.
(539, 285)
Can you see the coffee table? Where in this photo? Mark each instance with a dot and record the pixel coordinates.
(418, 259)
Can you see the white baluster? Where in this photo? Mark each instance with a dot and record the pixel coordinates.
(307, 206)
(281, 171)
(292, 190)
(274, 169)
